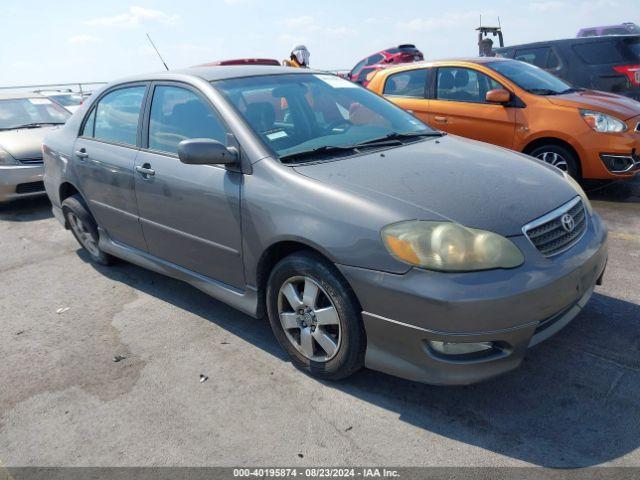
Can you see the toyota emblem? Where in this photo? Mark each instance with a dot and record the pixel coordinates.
(568, 223)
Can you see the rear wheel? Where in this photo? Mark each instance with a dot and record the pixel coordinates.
(84, 228)
(558, 156)
(315, 317)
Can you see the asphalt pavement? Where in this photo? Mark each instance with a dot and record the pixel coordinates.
(65, 401)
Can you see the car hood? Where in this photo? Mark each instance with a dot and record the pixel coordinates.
(469, 182)
(24, 143)
(616, 105)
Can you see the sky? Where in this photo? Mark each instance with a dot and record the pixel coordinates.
(81, 41)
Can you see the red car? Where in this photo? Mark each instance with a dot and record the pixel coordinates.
(243, 61)
(401, 54)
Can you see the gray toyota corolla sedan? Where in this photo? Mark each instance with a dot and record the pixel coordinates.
(367, 238)
(24, 121)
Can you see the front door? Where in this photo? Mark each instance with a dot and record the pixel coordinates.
(190, 214)
(104, 158)
(460, 107)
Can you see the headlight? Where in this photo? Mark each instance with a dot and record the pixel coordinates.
(449, 247)
(576, 186)
(6, 158)
(602, 122)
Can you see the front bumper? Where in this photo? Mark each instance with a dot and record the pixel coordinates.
(514, 309)
(19, 181)
(612, 156)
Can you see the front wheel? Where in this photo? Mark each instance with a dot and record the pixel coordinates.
(558, 156)
(315, 317)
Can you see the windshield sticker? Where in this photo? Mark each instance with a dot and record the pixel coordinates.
(336, 82)
(276, 135)
(39, 101)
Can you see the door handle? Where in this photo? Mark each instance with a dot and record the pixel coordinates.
(440, 119)
(81, 154)
(145, 170)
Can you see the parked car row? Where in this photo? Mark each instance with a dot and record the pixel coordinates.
(586, 133)
(25, 118)
(365, 236)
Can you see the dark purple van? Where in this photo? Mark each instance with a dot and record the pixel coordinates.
(627, 28)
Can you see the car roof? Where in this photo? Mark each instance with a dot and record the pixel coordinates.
(9, 95)
(218, 72)
(568, 41)
(388, 70)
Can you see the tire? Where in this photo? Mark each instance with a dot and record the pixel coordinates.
(84, 229)
(332, 291)
(559, 157)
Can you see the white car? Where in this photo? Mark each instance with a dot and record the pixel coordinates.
(71, 101)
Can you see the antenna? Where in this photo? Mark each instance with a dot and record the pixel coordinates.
(154, 47)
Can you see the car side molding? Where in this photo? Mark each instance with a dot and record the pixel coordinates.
(246, 301)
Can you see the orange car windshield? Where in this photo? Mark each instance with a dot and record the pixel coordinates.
(531, 78)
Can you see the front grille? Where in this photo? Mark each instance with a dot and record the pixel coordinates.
(31, 187)
(551, 235)
(31, 161)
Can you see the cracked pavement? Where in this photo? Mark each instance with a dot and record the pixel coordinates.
(64, 401)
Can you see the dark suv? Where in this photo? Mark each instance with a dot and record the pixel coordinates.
(610, 64)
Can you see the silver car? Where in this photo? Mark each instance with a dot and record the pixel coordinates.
(366, 237)
(24, 121)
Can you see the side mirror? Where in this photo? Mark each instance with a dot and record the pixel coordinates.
(204, 151)
(499, 95)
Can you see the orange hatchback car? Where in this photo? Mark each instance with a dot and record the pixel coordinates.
(516, 105)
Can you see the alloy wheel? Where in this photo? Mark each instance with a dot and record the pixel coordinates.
(555, 159)
(83, 234)
(309, 318)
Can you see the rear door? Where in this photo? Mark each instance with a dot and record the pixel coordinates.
(105, 154)
(408, 89)
(459, 107)
(190, 214)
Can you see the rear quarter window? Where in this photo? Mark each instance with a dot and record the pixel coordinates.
(599, 53)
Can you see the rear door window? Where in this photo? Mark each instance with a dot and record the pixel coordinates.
(180, 114)
(411, 83)
(599, 53)
(117, 115)
(536, 56)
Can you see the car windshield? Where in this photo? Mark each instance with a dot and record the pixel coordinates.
(302, 114)
(67, 99)
(531, 78)
(30, 112)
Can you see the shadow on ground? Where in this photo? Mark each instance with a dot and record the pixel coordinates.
(627, 191)
(575, 402)
(26, 210)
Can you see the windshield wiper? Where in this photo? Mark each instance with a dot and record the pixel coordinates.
(317, 151)
(542, 91)
(33, 125)
(396, 137)
(571, 90)
(390, 139)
